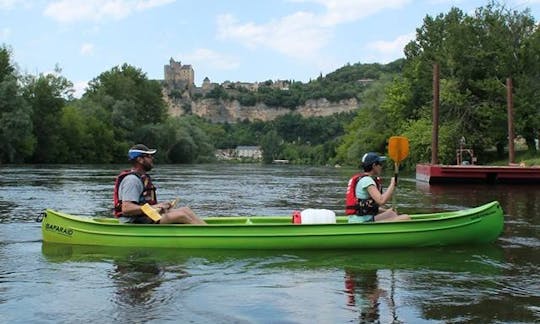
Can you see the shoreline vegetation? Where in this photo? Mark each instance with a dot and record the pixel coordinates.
(41, 122)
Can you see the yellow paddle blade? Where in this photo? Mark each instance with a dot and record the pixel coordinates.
(150, 212)
(398, 148)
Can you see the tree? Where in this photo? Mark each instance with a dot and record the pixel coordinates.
(476, 54)
(47, 94)
(16, 128)
(127, 101)
(371, 127)
(179, 140)
(271, 146)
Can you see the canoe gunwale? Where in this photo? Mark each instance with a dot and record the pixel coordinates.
(418, 218)
(408, 230)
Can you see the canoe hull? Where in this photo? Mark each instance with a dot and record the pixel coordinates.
(479, 225)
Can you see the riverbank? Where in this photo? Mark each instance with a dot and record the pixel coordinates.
(523, 158)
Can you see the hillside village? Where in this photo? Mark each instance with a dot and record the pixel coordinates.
(184, 97)
(182, 77)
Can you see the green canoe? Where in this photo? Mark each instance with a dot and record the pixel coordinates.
(478, 225)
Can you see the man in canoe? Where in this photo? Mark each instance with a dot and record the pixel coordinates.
(365, 194)
(133, 189)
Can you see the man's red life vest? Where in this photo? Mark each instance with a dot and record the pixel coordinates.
(353, 204)
(147, 196)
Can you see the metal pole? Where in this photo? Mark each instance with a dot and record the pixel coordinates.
(435, 130)
(510, 106)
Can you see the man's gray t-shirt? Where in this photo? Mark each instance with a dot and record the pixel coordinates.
(130, 189)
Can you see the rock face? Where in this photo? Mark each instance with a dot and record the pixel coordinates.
(219, 111)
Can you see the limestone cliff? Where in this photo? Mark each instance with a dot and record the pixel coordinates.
(219, 111)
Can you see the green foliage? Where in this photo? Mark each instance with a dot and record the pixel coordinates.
(179, 140)
(247, 99)
(419, 134)
(228, 136)
(271, 146)
(18, 141)
(371, 127)
(345, 83)
(314, 137)
(217, 92)
(16, 128)
(47, 94)
(7, 70)
(129, 99)
(476, 54)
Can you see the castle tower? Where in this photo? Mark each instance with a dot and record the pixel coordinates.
(187, 74)
(178, 75)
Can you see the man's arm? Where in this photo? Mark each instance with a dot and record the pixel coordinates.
(129, 193)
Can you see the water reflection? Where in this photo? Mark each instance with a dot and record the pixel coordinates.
(136, 282)
(441, 281)
(364, 293)
(477, 259)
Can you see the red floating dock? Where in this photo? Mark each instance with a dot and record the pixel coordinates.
(436, 173)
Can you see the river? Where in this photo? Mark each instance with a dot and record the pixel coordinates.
(45, 283)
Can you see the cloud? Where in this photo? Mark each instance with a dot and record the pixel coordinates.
(87, 49)
(67, 11)
(393, 49)
(302, 34)
(79, 88)
(8, 4)
(344, 11)
(297, 35)
(211, 59)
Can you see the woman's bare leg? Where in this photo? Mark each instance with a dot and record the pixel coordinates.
(390, 215)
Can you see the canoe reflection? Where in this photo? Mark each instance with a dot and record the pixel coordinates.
(454, 259)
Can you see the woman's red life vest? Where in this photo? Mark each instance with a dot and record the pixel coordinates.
(147, 196)
(355, 206)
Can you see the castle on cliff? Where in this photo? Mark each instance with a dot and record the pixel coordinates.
(182, 97)
(179, 76)
(182, 77)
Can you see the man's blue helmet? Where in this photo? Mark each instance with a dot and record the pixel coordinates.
(138, 150)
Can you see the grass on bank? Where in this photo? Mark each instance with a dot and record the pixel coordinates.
(524, 157)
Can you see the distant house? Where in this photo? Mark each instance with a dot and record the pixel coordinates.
(250, 152)
(364, 81)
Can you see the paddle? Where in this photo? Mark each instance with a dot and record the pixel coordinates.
(398, 150)
(174, 202)
(149, 211)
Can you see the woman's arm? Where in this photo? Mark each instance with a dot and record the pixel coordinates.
(379, 198)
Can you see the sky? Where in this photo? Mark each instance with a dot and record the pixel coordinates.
(224, 40)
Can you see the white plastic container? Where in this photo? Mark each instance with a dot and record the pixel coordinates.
(318, 216)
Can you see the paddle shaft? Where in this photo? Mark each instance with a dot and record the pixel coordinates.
(396, 171)
(398, 149)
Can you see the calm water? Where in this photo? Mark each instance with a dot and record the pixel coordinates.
(497, 283)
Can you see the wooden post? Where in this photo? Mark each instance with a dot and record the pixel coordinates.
(435, 130)
(510, 107)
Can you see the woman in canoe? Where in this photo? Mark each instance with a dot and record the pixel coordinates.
(365, 195)
(133, 189)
